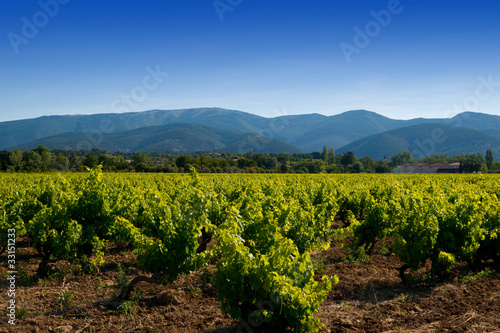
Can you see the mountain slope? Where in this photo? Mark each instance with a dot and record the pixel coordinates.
(13, 133)
(309, 132)
(475, 120)
(20, 131)
(422, 140)
(261, 144)
(339, 130)
(176, 137)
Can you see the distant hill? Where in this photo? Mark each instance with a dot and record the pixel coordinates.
(339, 130)
(475, 120)
(176, 137)
(261, 144)
(422, 140)
(14, 133)
(307, 132)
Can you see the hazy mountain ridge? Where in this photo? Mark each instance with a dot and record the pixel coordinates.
(424, 139)
(175, 137)
(307, 132)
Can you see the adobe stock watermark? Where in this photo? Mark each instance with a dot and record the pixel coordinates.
(150, 81)
(125, 103)
(372, 29)
(11, 276)
(223, 6)
(483, 91)
(94, 137)
(30, 27)
(266, 135)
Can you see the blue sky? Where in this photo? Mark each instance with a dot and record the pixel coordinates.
(419, 59)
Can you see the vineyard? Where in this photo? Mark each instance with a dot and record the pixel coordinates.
(249, 253)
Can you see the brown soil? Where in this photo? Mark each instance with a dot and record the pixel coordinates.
(369, 298)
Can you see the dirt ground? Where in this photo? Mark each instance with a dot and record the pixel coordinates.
(369, 298)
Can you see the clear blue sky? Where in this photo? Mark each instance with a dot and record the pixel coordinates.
(265, 57)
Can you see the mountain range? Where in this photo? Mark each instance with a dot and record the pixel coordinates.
(364, 132)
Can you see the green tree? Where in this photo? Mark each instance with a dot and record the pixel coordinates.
(41, 149)
(401, 158)
(356, 167)
(182, 160)
(48, 159)
(368, 163)
(347, 158)
(495, 167)
(62, 162)
(246, 163)
(140, 158)
(484, 168)
(489, 158)
(76, 163)
(382, 167)
(91, 161)
(331, 153)
(32, 160)
(325, 153)
(471, 162)
(113, 163)
(16, 158)
(283, 158)
(435, 158)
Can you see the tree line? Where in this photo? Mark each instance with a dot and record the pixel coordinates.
(41, 159)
